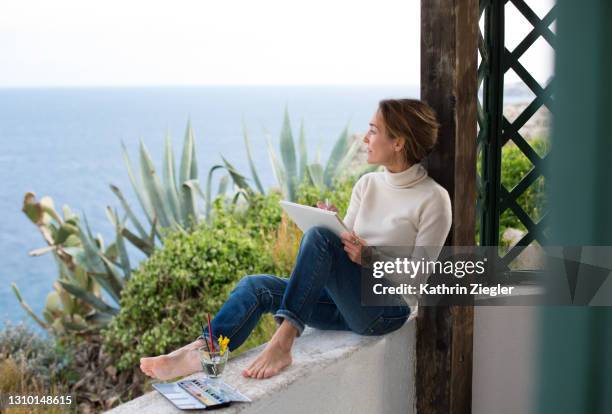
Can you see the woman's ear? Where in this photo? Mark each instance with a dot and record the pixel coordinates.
(399, 144)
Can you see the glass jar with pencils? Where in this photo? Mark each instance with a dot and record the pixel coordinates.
(214, 353)
(213, 362)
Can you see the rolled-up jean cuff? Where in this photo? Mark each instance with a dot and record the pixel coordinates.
(291, 317)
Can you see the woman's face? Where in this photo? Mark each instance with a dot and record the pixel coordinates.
(381, 148)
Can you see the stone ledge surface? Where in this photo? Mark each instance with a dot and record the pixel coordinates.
(314, 351)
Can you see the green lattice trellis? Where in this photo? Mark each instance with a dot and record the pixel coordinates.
(495, 130)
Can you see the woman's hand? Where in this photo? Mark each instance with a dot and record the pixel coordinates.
(323, 206)
(352, 245)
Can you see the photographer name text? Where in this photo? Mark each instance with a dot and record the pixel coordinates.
(426, 289)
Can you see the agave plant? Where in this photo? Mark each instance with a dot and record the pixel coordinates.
(174, 201)
(89, 271)
(76, 303)
(292, 167)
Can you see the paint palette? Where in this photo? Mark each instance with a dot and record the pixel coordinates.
(198, 394)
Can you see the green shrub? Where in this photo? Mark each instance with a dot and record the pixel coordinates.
(169, 295)
(515, 165)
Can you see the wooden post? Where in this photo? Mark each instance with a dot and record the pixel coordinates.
(449, 47)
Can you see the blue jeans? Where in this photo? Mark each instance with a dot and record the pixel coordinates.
(324, 291)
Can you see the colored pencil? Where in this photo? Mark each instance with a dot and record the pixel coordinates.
(210, 334)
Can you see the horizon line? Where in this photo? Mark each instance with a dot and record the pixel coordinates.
(132, 86)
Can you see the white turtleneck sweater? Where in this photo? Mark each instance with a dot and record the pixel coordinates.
(407, 208)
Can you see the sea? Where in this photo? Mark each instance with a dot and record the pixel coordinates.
(65, 143)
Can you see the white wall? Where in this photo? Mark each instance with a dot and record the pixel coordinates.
(377, 378)
(341, 372)
(503, 378)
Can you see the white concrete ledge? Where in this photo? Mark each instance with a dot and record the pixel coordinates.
(332, 372)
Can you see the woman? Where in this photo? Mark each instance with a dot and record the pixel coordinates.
(401, 206)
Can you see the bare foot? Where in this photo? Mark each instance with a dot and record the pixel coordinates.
(270, 362)
(276, 355)
(176, 364)
(147, 364)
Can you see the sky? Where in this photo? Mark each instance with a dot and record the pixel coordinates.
(245, 42)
